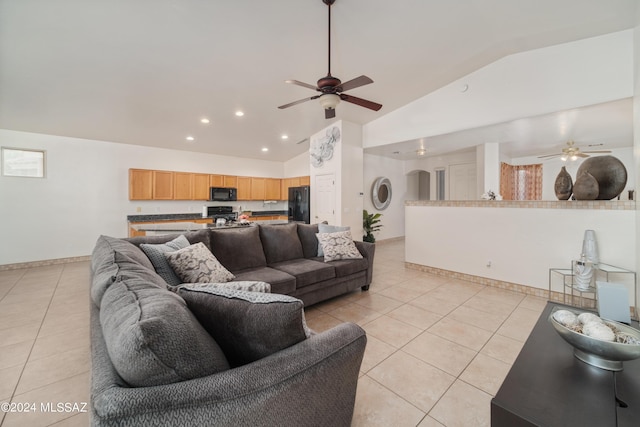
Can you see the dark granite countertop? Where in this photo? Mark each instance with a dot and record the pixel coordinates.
(189, 216)
(269, 213)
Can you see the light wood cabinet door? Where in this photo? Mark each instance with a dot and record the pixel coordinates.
(140, 184)
(230, 181)
(162, 185)
(200, 186)
(284, 189)
(272, 189)
(305, 180)
(216, 180)
(258, 188)
(294, 182)
(243, 184)
(182, 186)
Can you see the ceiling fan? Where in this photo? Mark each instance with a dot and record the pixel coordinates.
(572, 152)
(331, 88)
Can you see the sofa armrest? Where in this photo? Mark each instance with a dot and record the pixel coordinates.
(311, 383)
(367, 250)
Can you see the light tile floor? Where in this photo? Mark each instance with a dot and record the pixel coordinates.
(437, 350)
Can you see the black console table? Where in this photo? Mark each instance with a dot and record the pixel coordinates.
(548, 386)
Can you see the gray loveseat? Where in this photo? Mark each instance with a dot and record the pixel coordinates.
(155, 361)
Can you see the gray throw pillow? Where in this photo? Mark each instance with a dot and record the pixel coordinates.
(196, 264)
(152, 338)
(155, 253)
(338, 245)
(248, 325)
(326, 228)
(280, 242)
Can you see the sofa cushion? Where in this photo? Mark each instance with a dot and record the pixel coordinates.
(347, 267)
(248, 325)
(200, 236)
(281, 282)
(306, 271)
(156, 252)
(338, 245)
(196, 264)
(129, 268)
(326, 228)
(308, 239)
(238, 248)
(103, 266)
(280, 242)
(152, 338)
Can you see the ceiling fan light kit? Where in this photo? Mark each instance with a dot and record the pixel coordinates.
(571, 151)
(331, 88)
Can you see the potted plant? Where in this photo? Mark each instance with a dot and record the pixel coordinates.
(370, 225)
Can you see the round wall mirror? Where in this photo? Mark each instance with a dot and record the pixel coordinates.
(381, 193)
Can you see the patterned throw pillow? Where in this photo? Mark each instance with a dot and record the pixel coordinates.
(155, 253)
(196, 264)
(326, 228)
(338, 245)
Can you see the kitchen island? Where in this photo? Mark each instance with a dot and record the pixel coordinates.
(159, 228)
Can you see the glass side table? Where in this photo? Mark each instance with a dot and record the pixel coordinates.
(559, 279)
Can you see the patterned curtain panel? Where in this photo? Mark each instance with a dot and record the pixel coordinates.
(521, 182)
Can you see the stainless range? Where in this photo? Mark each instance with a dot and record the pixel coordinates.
(224, 212)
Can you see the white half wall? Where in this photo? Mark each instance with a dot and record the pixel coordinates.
(521, 244)
(86, 193)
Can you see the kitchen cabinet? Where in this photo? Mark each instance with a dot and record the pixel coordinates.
(162, 185)
(272, 189)
(243, 184)
(201, 186)
(230, 181)
(258, 189)
(292, 182)
(305, 180)
(216, 180)
(140, 184)
(182, 186)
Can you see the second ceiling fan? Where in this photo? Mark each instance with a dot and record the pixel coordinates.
(331, 88)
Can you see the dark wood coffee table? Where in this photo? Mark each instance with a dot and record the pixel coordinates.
(548, 386)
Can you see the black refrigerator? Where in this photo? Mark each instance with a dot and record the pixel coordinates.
(299, 206)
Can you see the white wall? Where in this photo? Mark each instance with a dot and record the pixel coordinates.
(392, 219)
(298, 166)
(636, 142)
(522, 244)
(541, 81)
(352, 170)
(430, 164)
(85, 193)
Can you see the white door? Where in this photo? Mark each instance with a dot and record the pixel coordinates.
(462, 182)
(325, 191)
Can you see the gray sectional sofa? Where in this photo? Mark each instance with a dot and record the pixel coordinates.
(207, 356)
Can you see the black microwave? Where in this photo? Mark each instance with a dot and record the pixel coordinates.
(217, 194)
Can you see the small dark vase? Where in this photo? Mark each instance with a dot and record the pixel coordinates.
(586, 187)
(564, 185)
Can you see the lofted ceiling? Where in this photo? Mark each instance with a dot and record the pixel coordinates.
(147, 71)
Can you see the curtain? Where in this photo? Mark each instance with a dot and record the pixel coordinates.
(521, 182)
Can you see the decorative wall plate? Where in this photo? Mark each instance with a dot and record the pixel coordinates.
(381, 193)
(321, 149)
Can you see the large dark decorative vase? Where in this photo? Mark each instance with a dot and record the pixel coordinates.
(608, 171)
(564, 185)
(586, 187)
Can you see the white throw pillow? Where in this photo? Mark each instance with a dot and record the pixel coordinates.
(338, 245)
(326, 228)
(196, 264)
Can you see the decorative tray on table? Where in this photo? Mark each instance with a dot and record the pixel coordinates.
(599, 342)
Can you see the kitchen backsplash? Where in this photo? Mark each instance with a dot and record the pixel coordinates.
(192, 206)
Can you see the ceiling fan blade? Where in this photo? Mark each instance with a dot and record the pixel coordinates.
(581, 155)
(361, 102)
(598, 152)
(329, 113)
(354, 83)
(303, 84)
(548, 156)
(291, 104)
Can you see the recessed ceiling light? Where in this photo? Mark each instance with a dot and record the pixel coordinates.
(239, 113)
(190, 138)
(285, 137)
(204, 120)
(265, 149)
